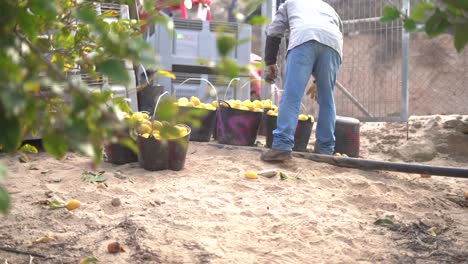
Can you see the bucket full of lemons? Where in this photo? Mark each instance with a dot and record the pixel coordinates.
(119, 154)
(203, 115)
(163, 144)
(238, 122)
(302, 134)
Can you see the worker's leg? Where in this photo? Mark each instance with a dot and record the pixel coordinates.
(325, 71)
(299, 65)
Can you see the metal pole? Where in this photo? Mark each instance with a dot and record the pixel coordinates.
(405, 40)
(353, 99)
(268, 11)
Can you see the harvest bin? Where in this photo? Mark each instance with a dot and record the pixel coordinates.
(154, 155)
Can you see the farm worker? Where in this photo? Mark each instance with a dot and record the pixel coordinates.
(315, 48)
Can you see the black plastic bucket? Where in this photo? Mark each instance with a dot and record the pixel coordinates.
(207, 120)
(155, 155)
(347, 136)
(118, 154)
(147, 97)
(237, 127)
(301, 135)
(263, 126)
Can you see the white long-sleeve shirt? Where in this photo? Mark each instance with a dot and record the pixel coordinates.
(308, 20)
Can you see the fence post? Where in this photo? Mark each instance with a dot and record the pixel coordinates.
(405, 40)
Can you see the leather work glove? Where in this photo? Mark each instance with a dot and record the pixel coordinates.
(312, 91)
(271, 73)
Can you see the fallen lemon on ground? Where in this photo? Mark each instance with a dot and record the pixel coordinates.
(250, 174)
(72, 204)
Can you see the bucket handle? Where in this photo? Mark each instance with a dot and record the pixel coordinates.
(197, 79)
(229, 86)
(156, 106)
(224, 101)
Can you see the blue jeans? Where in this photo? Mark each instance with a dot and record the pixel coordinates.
(323, 62)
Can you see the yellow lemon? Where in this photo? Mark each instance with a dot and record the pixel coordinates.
(214, 103)
(302, 117)
(157, 125)
(276, 109)
(258, 104)
(271, 113)
(243, 107)
(190, 104)
(145, 115)
(258, 109)
(182, 104)
(72, 204)
(182, 100)
(145, 122)
(145, 135)
(143, 129)
(137, 116)
(182, 130)
(250, 174)
(195, 100)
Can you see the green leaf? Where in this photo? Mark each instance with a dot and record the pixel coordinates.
(89, 260)
(55, 204)
(258, 20)
(4, 201)
(436, 24)
(42, 8)
(460, 37)
(10, 135)
(29, 148)
(384, 222)
(422, 11)
(86, 14)
(94, 177)
(122, 104)
(54, 143)
(283, 176)
(129, 144)
(3, 171)
(115, 70)
(166, 110)
(225, 44)
(409, 25)
(463, 4)
(390, 13)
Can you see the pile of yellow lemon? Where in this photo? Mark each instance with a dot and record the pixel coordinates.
(301, 117)
(145, 127)
(247, 105)
(194, 102)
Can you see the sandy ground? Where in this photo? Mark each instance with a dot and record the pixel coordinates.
(209, 213)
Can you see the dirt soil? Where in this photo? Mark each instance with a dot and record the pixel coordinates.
(210, 213)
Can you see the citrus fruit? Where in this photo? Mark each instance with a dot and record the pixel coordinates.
(72, 204)
(143, 129)
(250, 174)
(195, 100)
(302, 117)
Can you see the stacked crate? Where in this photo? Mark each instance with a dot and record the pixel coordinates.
(193, 40)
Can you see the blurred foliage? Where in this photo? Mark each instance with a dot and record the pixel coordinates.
(435, 17)
(45, 45)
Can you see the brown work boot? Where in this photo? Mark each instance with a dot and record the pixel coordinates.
(276, 155)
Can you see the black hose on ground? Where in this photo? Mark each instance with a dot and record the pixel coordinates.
(367, 164)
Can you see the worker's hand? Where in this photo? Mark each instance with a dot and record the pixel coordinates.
(271, 72)
(312, 91)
